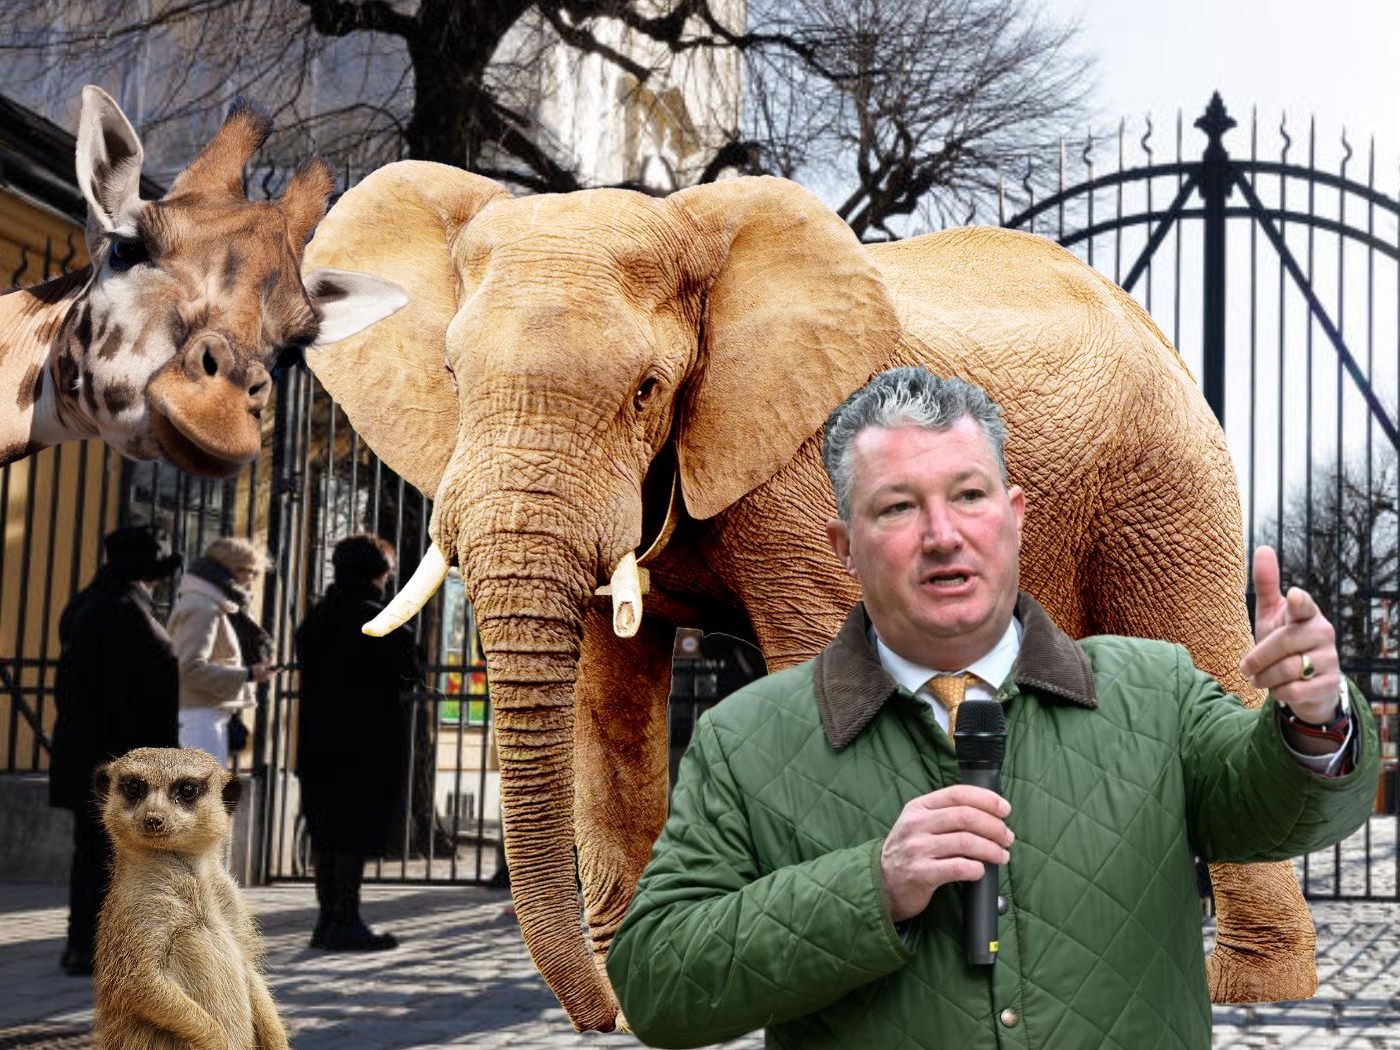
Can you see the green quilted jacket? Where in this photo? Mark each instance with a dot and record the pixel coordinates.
(763, 905)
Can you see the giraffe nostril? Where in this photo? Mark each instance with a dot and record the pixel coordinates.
(211, 366)
(256, 389)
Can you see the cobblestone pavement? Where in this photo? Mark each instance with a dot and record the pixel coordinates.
(462, 978)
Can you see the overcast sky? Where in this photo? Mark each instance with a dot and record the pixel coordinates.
(1336, 59)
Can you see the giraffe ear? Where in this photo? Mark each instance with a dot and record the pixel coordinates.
(109, 160)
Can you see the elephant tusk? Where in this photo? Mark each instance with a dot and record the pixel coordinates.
(627, 586)
(422, 585)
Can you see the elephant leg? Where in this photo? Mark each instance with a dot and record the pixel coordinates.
(771, 552)
(1169, 566)
(1265, 941)
(620, 740)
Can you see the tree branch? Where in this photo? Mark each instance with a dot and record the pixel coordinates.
(582, 39)
(341, 17)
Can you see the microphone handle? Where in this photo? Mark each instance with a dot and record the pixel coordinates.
(980, 897)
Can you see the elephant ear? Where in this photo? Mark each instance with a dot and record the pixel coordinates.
(796, 318)
(399, 224)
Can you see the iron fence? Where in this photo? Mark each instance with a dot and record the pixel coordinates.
(1292, 271)
(1294, 274)
(54, 508)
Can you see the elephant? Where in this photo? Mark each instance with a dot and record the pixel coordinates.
(587, 382)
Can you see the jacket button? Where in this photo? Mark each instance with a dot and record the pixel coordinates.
(1010, 1017)
(1001, 905)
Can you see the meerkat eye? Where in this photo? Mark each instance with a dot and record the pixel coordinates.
(186, 790)
(133, 789)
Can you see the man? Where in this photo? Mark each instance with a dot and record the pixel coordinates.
(117, 688)
(354, 737)
(807, 879)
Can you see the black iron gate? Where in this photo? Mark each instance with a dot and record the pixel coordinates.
(1294, 272)
(326, 484)
(1300, 360)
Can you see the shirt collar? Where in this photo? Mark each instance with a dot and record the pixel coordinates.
(994, 668)
(851, 685)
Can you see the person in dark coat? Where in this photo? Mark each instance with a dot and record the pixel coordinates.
(352, 737)
(117, 688)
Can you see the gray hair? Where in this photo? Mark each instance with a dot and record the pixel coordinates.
(911, 396)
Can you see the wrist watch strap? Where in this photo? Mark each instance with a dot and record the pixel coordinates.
(1335, 729)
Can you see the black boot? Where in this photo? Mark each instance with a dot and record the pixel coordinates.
(355, 936)
(325, 897)
(87, 886)
(76, 962)
(347, 932)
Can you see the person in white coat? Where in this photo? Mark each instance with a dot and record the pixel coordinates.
(215, 679)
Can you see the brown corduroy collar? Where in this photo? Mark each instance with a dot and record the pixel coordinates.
(852, 685)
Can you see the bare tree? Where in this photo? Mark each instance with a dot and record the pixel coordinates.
(909, 108)
(893, 109)
(1340, 541)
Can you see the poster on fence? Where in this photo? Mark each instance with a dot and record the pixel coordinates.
(462, 678)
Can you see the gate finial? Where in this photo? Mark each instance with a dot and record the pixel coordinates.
(1215, 122)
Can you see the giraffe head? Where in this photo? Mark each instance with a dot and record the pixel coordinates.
(193, 296)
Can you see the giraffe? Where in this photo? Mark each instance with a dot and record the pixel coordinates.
(162, 345)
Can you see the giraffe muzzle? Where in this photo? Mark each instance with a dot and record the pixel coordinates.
(206, 406)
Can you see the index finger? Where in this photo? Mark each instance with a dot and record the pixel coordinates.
(966, 795)
(1301, 606)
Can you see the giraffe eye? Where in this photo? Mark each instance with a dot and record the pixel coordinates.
(127, 252)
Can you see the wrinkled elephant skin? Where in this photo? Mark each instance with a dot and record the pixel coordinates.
(566, 360)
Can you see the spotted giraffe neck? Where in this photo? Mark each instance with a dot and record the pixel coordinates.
(39, 372)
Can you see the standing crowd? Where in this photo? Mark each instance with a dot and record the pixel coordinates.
(125, 680)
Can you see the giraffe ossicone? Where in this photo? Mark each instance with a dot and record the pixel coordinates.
(163, 344)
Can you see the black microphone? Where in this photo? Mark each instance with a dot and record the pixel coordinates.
(980, 742)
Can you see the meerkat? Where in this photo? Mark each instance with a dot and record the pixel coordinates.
(178, 956)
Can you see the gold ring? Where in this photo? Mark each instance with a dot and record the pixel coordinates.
(1308, 669)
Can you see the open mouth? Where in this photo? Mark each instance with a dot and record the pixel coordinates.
(187, 455)
(948, 582)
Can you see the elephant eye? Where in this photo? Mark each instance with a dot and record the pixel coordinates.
(646, 391)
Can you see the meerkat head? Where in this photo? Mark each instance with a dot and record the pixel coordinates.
(166, 799)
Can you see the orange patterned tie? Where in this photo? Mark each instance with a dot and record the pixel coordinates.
(950, 690)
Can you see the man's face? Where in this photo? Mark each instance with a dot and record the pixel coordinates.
(934, 541)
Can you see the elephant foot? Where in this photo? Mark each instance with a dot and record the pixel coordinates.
(1265, 941)
(1236, 976)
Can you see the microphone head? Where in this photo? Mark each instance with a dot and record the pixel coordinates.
(980, 737)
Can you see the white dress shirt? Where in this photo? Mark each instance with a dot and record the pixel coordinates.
(995, 668)
(992, 670)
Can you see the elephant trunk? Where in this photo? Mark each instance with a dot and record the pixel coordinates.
(529, 612)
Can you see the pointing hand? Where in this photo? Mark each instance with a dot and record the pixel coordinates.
(1295, 650)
